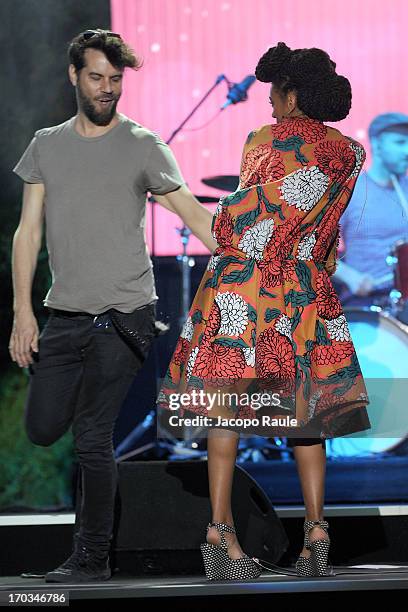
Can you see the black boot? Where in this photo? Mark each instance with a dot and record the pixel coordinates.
(84, 565)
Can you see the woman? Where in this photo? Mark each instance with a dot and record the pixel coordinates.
(266, 315)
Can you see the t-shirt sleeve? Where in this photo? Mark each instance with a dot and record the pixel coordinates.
(28, 167)
(162, 173)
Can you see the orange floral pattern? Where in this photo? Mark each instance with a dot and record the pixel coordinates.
(266, 315)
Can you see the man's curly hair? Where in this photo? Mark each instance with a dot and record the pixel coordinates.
(119, 54)
(321, 93)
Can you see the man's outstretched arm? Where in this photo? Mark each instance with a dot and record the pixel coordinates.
(194, 215)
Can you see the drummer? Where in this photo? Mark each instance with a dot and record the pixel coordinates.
(376, 217)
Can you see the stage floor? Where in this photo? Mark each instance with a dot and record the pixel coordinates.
(346, 578)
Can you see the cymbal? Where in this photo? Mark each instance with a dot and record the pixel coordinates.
(228, 182)
(205, 199)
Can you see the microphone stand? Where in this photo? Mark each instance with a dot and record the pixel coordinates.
(219, 78)
(122, 451)
(186, 263)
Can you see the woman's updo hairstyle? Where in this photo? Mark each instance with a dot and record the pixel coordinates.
(321, 93)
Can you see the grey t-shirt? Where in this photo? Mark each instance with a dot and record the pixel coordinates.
(95, 206)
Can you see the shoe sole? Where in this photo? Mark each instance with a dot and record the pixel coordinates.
(316, 564)
(73, 579)
(219, 566)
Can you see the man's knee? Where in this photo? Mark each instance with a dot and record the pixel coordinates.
(41, 436)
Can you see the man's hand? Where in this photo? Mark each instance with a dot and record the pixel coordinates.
(24, 338)
(363, 284)
(358, 282)
(194, 215)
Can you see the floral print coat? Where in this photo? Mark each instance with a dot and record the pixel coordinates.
(266, 314)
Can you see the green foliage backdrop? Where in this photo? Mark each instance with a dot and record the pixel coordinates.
(31, 475)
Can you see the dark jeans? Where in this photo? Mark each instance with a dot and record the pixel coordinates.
(80, 377)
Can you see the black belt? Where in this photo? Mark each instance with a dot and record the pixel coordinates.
(77, 313)
(68, 313)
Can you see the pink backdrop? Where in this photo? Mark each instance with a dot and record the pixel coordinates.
(186, 44)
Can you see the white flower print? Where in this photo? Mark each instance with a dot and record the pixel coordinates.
(359, 153)
(234, 313)
(217, 212)
(190, 362)
(249, 353)
(283, 325)
(305, 246)
(305, 187)
(255, 238)
(188, 329)
(338, 328)
(213, 261)
(218, 209)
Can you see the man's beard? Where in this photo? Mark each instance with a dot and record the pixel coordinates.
(86, 105)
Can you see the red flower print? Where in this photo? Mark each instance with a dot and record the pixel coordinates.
(261, 165)
(310, 130)
(329, 354)
(219, 364)
(327, 301)
(336, 159)
(288, 268)
(274, 271)
(274, 358)
(181, 352)
(326, 233)
(213, 321)
(280, 244)
(275, 266)
(223, 228)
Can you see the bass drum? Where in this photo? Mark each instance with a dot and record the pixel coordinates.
(381, 343)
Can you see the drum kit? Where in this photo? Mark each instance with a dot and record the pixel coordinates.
(380, 337)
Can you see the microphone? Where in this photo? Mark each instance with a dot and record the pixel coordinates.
(238, 92)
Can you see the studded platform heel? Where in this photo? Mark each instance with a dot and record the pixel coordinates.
(316, 563)
(219, 565)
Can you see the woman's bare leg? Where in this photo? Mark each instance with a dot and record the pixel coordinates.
(311, 467)
(222, 452)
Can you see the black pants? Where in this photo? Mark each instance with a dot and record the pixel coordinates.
(80, 377)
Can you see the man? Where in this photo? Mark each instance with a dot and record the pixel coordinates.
(376, 217)
(89, 177)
